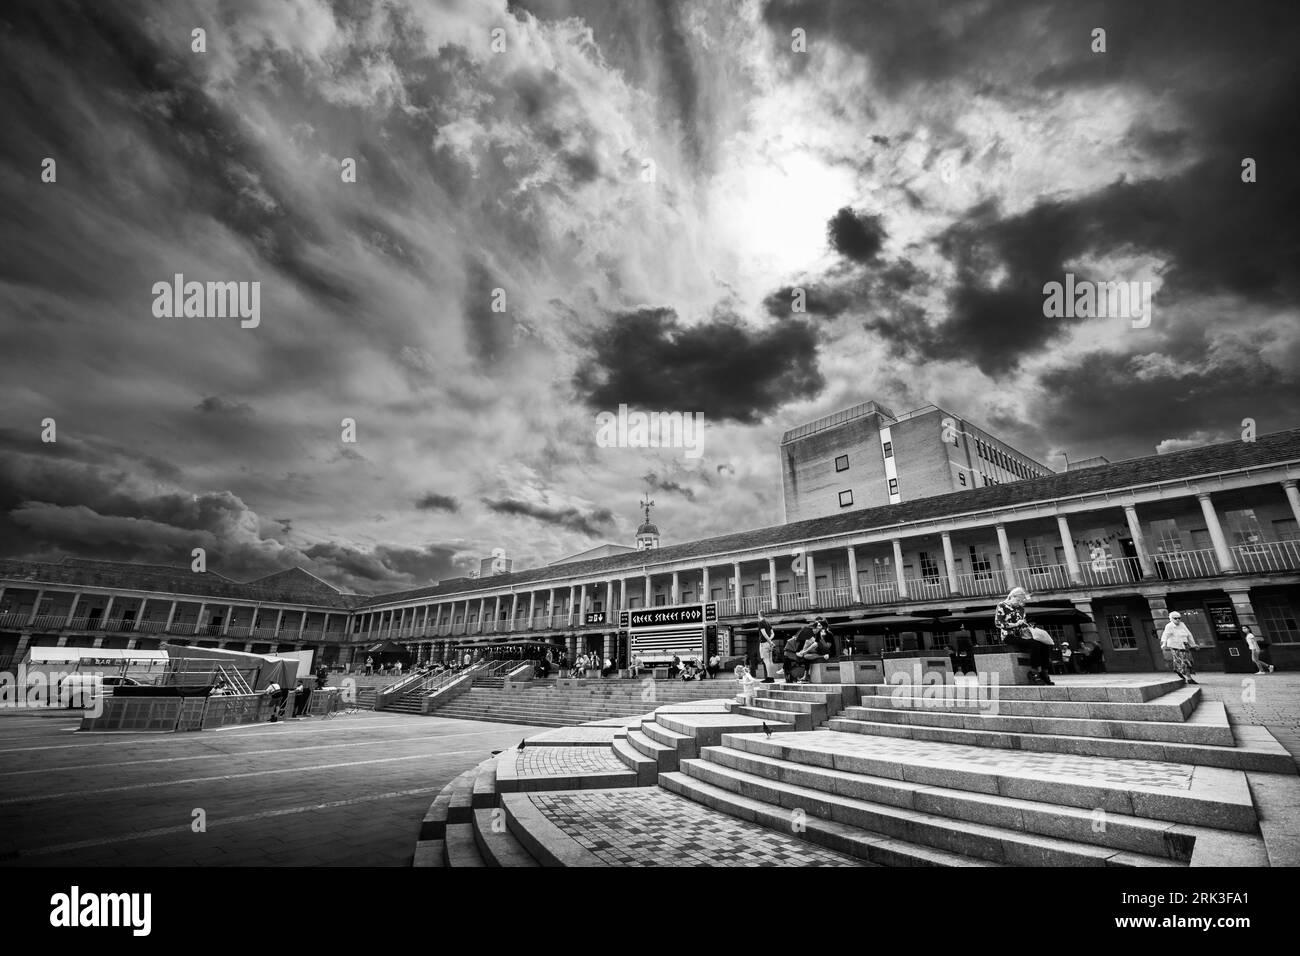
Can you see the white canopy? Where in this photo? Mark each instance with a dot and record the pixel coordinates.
(61, 655)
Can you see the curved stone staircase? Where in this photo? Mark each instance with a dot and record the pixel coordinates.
(1093, 772)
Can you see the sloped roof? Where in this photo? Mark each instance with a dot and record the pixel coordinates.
(293, 586)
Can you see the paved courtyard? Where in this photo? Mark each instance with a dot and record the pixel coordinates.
(348, 791)
(1265, 700)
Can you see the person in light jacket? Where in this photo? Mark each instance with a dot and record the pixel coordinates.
(1178, 641)
(1261, 665)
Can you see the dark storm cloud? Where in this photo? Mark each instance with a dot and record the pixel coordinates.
(1238, 94)
(52, 506)
(592, 523)
(436, 502)
(647, 360)
(856, 236)
(216, 405)
(226, 176)
(667, 484)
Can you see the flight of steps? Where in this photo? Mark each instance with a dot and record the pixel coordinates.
(1143, 773)
(900, 779)
(548, 704)
(466, 827)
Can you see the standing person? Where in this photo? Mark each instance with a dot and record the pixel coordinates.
(1009, 619)
(370, 665)
(715, 663)
(1067, 659)
(1177, 641)
(766, 647)
(399, 668)
(1261, 666)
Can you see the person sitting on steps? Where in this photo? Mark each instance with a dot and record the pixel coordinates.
(1009, 619)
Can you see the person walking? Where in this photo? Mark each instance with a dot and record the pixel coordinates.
(1177, 642)
(766, 647)
(1009, 619)
(1261, 666)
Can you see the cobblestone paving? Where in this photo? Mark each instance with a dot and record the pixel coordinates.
(1264, 700)
(646, 827)
(1123, 772)
(566, 761)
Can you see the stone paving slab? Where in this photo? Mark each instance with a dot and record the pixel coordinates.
(583, 736)
(1120, 772)
(649, 827)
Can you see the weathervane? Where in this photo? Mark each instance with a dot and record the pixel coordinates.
(646, 503)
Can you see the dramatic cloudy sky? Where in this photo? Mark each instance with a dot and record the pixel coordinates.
(921, 171)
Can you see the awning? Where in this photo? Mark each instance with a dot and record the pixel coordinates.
(57, 655)
(895, 620)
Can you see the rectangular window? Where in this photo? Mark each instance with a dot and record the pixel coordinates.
(1168, 538)
(846, 498)
(961, 478)
(1286, 530)
(1035, 554)
(893, 486)
(1244, 527)
(661, 599)
(1121, 633)
(889, 449)
(842, 463)
(986, 479)
(1277, 619)
(929, 567)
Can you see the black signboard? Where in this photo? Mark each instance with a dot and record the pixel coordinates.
(649, 617)
(594, 617)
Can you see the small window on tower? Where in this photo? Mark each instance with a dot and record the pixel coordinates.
(842, 463)
(846, 498)
(961, 477)
(889, 449)
(893, 486)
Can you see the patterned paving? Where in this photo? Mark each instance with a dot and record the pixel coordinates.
(566, 761)
(648, 827)
(1118, 771)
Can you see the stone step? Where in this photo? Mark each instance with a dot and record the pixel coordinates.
(994, 844)
(1174, 707)
(1056, 809)
(1178, 793)
(645, 768)
(781, 692)
(431, 845)
(496, 844)
(683, 744)
(800, 721)
(663, 756)
(462, 849)
(872, 847)
(784, 705)
(707, 729)
(1256, 754)
(1112, 688)
(1211, 729)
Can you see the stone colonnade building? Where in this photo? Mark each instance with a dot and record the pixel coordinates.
(1211, 532)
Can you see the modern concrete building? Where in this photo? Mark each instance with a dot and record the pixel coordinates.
(866, 456)
(1106, 552)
